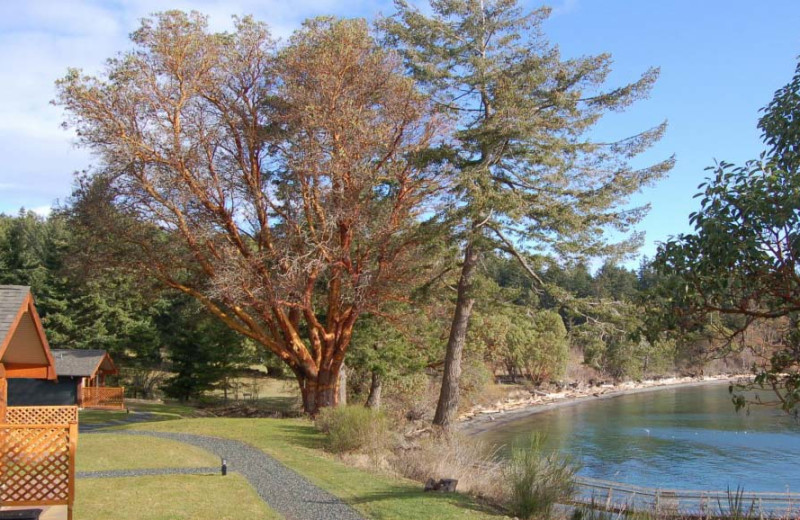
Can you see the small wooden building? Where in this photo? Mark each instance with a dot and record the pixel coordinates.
(86, 370)
(81, 381)
(37, 444)
(24, 351)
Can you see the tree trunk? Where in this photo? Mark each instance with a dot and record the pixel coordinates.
(343, 385)
(447, 407)
(319, 392)
(374, 399)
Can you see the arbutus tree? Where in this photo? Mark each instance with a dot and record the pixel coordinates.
(741, 263)
(530, 183)
(279, 188)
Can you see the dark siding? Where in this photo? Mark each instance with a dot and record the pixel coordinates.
(36, 392)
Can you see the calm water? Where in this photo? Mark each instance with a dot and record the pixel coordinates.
(689, 438)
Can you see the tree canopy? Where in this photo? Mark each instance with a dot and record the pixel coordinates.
(742, 258)
(280, 188)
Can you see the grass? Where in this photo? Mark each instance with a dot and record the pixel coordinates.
(162, 412)
(266, 393)
(100, 452)
(170, 497)
(99, 416)
(168, 408)
(298, 445)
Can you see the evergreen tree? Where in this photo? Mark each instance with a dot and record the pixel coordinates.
(530, 180)
(203, 351)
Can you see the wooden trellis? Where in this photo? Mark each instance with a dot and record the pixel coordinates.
(37, 465)
(41, 414)
(103, 397)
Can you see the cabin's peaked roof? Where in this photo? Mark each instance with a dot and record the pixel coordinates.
(11, 299)
(24, 351)
(82, 362)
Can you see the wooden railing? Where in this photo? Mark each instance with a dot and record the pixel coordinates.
(619, 497)
(41, 414)
(103, 397)
(37, 465)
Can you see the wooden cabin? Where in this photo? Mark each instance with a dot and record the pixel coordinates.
(81, 381)
(24, 351)
(87, 371)
(37, 443)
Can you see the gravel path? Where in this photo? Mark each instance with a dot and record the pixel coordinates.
(116, 473)
(282, 489)
(130, 418)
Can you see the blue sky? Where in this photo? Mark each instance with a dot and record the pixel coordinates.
(720, 61)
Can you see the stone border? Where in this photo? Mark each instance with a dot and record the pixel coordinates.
(484, 422)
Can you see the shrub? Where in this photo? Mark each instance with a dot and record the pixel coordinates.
(354, 428)
(537, 481)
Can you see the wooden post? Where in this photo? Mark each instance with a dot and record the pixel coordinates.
(3, 393)
(73, 448)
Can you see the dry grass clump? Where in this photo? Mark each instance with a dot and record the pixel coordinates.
(452, 455)
(355, 429)
(536, 481)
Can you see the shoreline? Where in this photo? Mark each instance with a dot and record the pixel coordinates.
(480, 419)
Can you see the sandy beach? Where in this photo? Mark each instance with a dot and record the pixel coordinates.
(523, 403)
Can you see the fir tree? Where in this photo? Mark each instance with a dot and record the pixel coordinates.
(531, 181)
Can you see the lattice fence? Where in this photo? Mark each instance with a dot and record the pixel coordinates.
(37, 465)
(103, 397)
(41, 414)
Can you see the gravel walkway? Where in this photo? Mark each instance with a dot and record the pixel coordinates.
(116, 473)
(130, 418)
(282, 489)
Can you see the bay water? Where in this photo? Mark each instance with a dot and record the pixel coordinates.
(673, 438)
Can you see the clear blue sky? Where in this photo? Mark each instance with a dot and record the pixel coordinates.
(720, 61)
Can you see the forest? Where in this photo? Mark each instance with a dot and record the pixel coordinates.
(584, 326)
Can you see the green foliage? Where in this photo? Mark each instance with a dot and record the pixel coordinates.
(354, 428)
(203, 352)
(742, 258)
(530, 343)
(522, 113)
(86, 305)
(32, 252)
(528, 179)
(537, 480)
(80, 309)
(392, 348)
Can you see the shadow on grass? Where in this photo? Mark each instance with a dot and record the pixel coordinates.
(283, 404)
(302, 435)
(407, 493)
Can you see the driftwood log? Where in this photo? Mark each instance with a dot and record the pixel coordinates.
(445, 485)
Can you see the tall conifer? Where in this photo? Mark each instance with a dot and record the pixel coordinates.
(531, 180)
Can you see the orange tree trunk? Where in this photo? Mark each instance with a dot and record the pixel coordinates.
(320, 391)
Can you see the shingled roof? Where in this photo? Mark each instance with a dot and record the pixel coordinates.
(82, 363)
(24, 351)
(11, 299)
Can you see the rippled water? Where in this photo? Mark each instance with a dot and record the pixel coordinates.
(687, 438)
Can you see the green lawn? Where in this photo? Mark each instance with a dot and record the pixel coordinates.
(104, 451)
(298, 445)
(170, 497)
(169, 408)
(161, 412)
